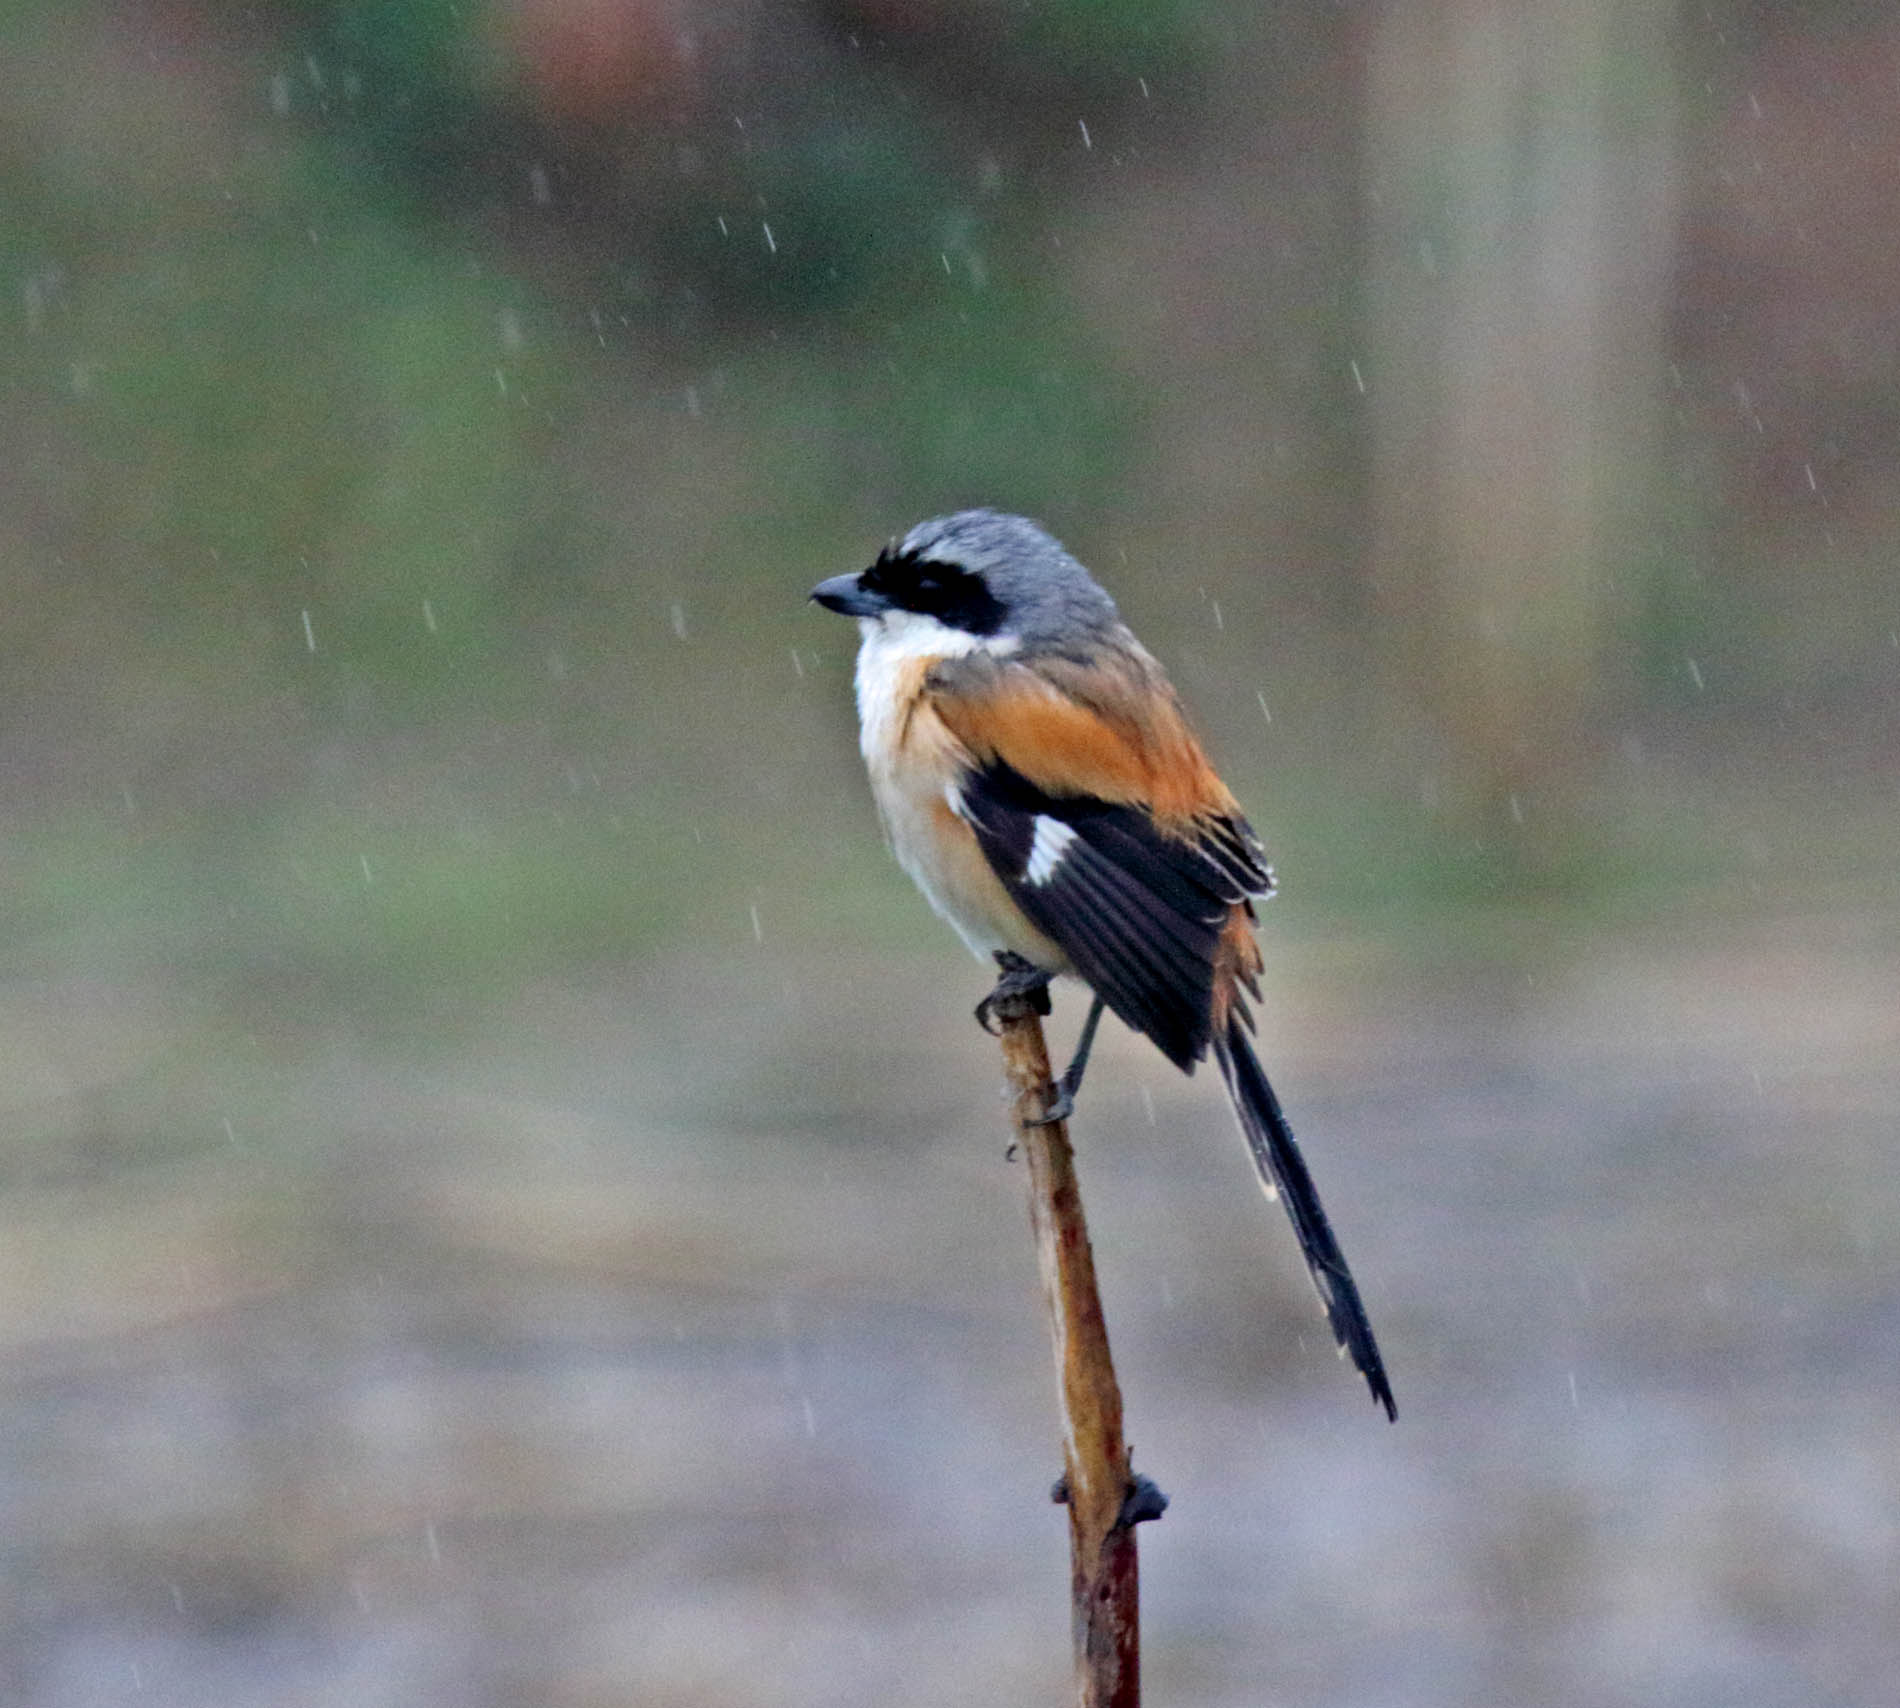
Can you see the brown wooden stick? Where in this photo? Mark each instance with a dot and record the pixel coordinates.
(1097, 1475)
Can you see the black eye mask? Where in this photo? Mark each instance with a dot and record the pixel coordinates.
(955, 597)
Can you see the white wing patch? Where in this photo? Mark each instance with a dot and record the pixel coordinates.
(1051, 842)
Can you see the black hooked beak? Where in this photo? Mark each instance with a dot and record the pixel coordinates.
(844, 594)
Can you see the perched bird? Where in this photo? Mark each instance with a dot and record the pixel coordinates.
(1038, 780)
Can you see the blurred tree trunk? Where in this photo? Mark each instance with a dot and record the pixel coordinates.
(1520, 203)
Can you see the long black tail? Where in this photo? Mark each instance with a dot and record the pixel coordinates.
(1283, 1173)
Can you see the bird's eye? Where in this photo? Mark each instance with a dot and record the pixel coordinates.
(942, 590)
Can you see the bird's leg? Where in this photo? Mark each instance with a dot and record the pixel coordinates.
(1063, 1104)
(1018, 978)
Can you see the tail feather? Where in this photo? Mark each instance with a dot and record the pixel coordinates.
(1283, 1172)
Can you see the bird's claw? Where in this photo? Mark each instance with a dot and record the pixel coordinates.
(1019, 979)
(1061, 1107)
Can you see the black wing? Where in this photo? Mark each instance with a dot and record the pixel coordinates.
(1139, 911)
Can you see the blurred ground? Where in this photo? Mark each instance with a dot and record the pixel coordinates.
(674, 1340)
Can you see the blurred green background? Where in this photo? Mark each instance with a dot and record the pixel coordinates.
(500, 1198)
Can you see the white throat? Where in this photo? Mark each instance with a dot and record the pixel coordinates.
(891, 642)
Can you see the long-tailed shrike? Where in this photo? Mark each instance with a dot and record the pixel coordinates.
(1038, 779)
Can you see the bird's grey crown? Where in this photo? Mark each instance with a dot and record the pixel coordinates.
(1046, 595)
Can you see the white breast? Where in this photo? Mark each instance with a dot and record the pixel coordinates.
(917, 769)
(892, 649)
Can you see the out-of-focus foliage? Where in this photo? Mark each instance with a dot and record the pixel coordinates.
(321, 324)
(778, 163)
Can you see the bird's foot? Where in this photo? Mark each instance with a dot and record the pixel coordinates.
(1061, 1106)
(1019, 981)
